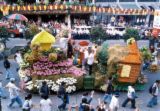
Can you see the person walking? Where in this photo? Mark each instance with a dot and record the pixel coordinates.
(7, 66)
(44, 89)
(14, 93)
(63, 96)
(114, 104)
(154, 90)
(90, 61)
(27, 105)
(108, 95)
(131, 96)
(45, 104)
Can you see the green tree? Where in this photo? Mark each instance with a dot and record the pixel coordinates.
(31, 31)
(4, 35)
(131, 33)
(98, 34)
(102, 56)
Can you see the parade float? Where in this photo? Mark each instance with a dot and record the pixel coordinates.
(43, 62)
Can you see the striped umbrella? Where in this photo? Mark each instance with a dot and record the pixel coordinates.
(17, 17)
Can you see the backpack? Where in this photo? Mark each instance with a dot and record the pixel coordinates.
(150, 89)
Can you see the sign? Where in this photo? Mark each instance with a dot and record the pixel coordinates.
(156, 21)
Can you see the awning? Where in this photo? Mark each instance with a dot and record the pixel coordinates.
(144, 7)
(128, 6)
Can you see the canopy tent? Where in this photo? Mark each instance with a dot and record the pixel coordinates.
(44, 39)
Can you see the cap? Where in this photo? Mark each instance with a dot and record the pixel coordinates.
(12, 79)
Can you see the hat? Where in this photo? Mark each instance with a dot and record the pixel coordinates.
(12, 79)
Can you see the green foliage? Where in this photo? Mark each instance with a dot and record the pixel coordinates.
(146, 54)
(32, 31)
(102, 57)
(98, 34)
(131, 33)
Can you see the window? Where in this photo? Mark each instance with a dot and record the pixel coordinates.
(147, 0)
(106, 0)
(126, 0)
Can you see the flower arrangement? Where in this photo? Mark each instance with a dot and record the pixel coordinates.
(54, 85)
(45, 67)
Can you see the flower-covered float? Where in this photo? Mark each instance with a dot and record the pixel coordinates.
(42, 62)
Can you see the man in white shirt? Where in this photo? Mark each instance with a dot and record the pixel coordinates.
(154, 92)
(14, 93)
(130, 97)
(45, 104)
(90, 61)
(84, 61)
(114, 104)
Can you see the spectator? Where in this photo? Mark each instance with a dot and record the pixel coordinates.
(114, 104)
(14, 95)
(131, 96)
(7, 66)
(44, 90)
(45, 104)
(18, 58)
(108, 96)
(154, 92)
(2, 91)
(27, 105)
(89, 98)
(84, 106)
(63, 96)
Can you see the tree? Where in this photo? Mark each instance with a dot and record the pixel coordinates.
(31, 31)
(4, 35)
(131, 33)
(98, 34)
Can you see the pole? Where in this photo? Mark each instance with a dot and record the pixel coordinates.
(0, 104)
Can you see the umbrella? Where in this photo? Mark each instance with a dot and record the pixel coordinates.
(17, 17)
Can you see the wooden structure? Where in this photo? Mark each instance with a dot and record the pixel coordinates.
(130, 65)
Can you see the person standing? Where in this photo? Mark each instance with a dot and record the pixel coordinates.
(7, 66)
(63, 96)
(84, 61)
(114, 104)
(154, 92)
(45, 104)
(14, 93)
(44, 90)
(90, 61)
(27, 105)
(131, 96)
(18, 58)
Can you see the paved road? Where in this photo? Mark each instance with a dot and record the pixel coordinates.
(143, 96)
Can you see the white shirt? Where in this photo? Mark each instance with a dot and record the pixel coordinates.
(27, 104)
(90, 59)
(13, 90)
(156, 92)
(85, 54)
(114, 103)
(19, 58)
(46, 105)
